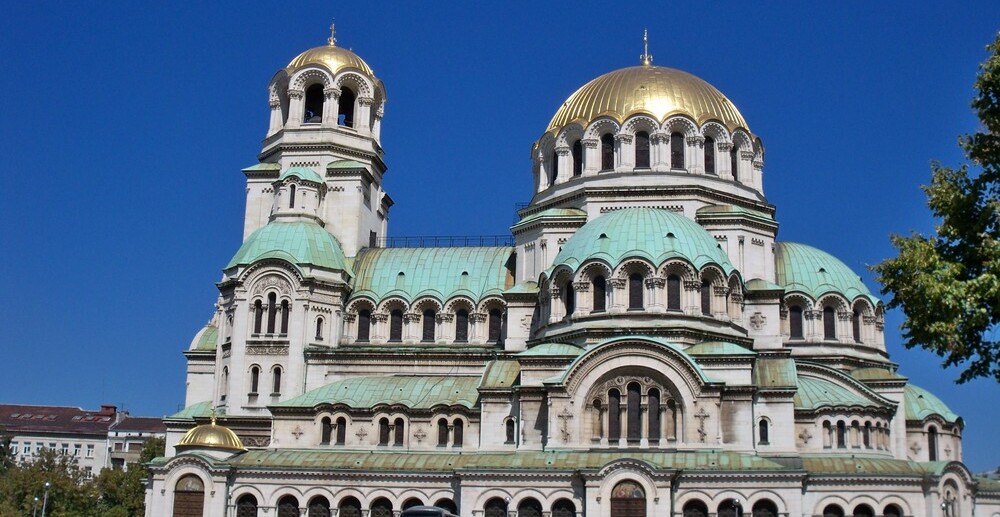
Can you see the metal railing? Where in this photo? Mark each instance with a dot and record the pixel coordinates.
(446, 241)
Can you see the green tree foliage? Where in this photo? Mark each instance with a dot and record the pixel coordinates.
(6, 459)
(948, 284)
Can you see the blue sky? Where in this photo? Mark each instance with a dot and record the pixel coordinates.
(125, 126)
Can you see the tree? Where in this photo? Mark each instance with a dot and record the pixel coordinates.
(122, 492)
(69, 492)
(6, 458)
(948, 284)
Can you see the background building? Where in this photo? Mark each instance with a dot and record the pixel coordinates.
(642, 345)
(69, 430)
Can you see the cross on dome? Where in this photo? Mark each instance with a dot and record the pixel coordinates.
(646, 58)
(332, 40)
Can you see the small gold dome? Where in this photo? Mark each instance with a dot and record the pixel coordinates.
(653, 90)
(211, 436)
(332, 57)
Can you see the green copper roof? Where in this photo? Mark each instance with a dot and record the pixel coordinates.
(814, 393)
(759, 284)
(500, 374)
(346, 164)
(304, 243)
(263, 167)
(438, 272)
(718, 348)
(553, 213)
(650, 233)
(875, 374)
(528, 287)
(404, 461)
(208, 338)
(547, 349)
(649, 339)
(920, 404)
(827, 464)
(412, 391)
(302, 173)
(814, 272)
(198, 409)
(775, 372)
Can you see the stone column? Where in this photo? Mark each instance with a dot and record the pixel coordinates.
(654, 286)
(584, 303)
(565, 168)
(295, 108)
(591, 156)
(722, 162)
(275, 123)
(695, 154)
(624, 153)
(362, 118)
(660, 150)
(692, 299)
(331, 106)
(618, 294)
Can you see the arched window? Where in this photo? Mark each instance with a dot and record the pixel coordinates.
(458, 433)
(246, 506)
(569, 297)
(577, 158)
(554, 168)
(428, 324)
(892, 511)
(341, 430)
(447, 505)
(642, 150)
(564, 508)
(224, 389)
(276, 378)
(286, 312)
(653, 410)
(495, 507)
(461, 326)
(673, 293)
(841, 435)
(827, 435)
(381, 507)
(258, 316)
(442, 432)
(628, 499)
(288, 506)
(189, 497)
(856, 325)
(314, 105)
(795, 321)
(706, 298)
(695, 508)
(272, 312)
(291, 196)
(254, 379)
(763, 432)
(863, 510)
(396, 325)
(614, 416)
(495, 325)
(510, 430)
(411, 502)
(866, 435)
(349, 507)
(932, 439)
(600, 288)
(829, 323)
(327, 431)
(709, 155)
(635, 291)
(383, 431)
(400, 432)
(364, 325)
(833, 510)
(633, 407)
(319, 328)
(676, 151)
(529, 507)
(729, 508)
(765, 508)
(345, 107)
(734, 161)
(607, 152)
(319, 506)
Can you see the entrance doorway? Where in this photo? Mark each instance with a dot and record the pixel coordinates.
(628, 500)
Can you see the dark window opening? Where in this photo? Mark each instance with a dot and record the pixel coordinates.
(285, 315)
(642, 150)
(841, 435)
(254, 379)
(635, 291)
(276, 381)
(345, 108)
(442, 432)
(932, 440)
(763, 433)
(829, 323)
(396, 325)
(319, 506)
(673, 293)
(272, 312)
(577, 158)
(495, 325)
(600, 286)
(341, 430)
(458, 434)
(653, 409)
(633, 407)
(428, 324)
(607, 152)
(614, 416)
(319, 329)
(314, 105)
(461, 326)
(856, 325)
(510, 428)
(569, 298)
(554, 169)
(676, 151)
(706, 298)
(795, 321)
(734, 162)
(383, 431)
(327, 431)
(364, 325)
(400, 428)
(258, 318)
(288, 506)
(709, 155)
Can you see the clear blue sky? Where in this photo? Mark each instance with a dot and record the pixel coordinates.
(124, 127)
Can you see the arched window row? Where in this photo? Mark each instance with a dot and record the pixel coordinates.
(643, 144)
(831, 320)
(312, 98)
(861, 510)
(595, 290)
(857, 433)
(255, 380)
(633, 411)
(457, 323)
(450, 431)
(730, 508)
(271, 315)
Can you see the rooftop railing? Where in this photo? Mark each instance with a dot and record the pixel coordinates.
(446, 241)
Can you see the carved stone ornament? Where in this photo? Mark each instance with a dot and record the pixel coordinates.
(297, 432)
(758, 320)
(256, 441)
(701, 415)
(361, 433)
(805, 435)
(419, 434)
(275, 282)
(267, 350)
(564, 429)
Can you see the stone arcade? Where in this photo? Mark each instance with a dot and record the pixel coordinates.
(645, 345)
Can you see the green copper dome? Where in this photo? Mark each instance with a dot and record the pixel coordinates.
(300, 243)
(814, 272)
(921, 404)
(650, 233)
(302, 173)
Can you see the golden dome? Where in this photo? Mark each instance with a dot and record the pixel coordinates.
(332, 57)
(653, 90)
(211, 436)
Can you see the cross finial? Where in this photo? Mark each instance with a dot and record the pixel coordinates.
(213, 416)
(332, 40)
(645, 58)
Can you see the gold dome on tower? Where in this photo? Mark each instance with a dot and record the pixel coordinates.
(330, 56)
(211, 436)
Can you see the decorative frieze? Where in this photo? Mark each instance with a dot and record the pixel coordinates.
(267, 350)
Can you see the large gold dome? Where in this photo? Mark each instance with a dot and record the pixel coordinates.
(211, 436)
(332, 57)
(657, 91)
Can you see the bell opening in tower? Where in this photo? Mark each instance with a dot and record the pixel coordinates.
(314, 105)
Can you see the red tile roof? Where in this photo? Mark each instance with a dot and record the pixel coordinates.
(22, 419)
(144, 424)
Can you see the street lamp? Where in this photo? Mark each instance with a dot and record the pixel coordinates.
(45, 500)
(34, 508)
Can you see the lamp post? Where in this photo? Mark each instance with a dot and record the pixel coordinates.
(45, 499)
(34, 508)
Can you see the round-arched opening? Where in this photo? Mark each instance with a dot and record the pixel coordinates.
(349, 507)
(765, 508)
(863, 510)
(730, 508)
(313, 113)
(189, 496)
(411, 502)
(892, 510)
(381, 507)
(495, 507)
(695, 508)
(833, 510)
(529, 507)
(447, 505)
(288, 506)
(319, 506)
(345, 107)
(628, 499)
(246, 506)
(563, 508)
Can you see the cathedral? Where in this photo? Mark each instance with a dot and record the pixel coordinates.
(641, 345)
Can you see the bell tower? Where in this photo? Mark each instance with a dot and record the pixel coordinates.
(326, 111)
